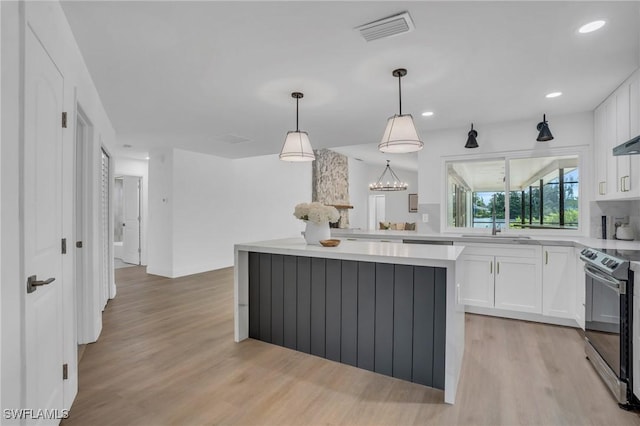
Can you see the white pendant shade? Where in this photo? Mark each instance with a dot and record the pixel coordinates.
(400, 136)
(297, 147)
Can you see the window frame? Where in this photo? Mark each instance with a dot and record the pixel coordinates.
(583, 204)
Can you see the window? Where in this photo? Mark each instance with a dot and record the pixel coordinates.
(543, 193)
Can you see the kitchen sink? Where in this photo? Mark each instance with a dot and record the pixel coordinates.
(506, 236)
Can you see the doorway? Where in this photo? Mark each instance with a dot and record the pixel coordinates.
(126, 237)
(376, 211)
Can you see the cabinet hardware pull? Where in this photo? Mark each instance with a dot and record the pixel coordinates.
(498, 267)
(625, 180)
(546, 257)
(600, 186)
(491, 267)
(622, 184)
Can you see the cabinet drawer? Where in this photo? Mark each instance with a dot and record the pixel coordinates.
(503, 250)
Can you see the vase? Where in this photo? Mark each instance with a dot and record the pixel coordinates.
(314, 232)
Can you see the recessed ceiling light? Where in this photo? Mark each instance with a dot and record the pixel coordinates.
(553, 94)
(146, 158)
(427, 113)
(591, 27)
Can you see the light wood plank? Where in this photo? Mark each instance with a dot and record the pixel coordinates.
(166, 356)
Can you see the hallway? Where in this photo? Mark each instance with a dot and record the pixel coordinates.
(166, 356)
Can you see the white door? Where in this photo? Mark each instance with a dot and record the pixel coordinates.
(518, 284)
(376, 211)
(477, 280)
(131, 223)
(42, 174)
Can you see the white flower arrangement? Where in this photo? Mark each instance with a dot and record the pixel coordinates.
(316, 212)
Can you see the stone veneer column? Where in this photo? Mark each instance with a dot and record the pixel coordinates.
(330, 181)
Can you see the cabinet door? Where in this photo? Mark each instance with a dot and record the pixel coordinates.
(609, 141)
(518, 284)
(580, 288)
(623, 163)
(558, 282)
(477, 280)
(599, 151)
(632, 183)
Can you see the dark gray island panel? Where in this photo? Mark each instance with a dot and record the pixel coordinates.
(290, 302)
(318, 306)
(303, 311)
(334, 309)
(403, 322)
(383, 343)
(378, 316)
(366, 314)
(349, 314)
(277, 300)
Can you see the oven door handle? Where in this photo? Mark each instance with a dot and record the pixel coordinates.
(614, 284)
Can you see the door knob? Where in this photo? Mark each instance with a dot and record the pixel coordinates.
(33, 283)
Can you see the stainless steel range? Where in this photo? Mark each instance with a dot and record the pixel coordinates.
(608, 318)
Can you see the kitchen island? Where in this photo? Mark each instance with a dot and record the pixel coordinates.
(391, 308)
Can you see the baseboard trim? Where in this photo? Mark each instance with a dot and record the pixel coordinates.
(523, 316)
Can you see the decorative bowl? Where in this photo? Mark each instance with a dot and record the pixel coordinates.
(330, 243)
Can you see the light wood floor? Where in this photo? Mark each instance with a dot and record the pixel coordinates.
(166, 356)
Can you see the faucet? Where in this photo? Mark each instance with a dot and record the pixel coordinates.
(494, 228)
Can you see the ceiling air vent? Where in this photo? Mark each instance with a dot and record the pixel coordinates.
(232, 139)
(387, 27)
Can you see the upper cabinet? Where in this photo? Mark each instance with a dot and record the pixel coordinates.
(617, 120)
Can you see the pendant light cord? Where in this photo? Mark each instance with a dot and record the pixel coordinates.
(297, 128)
(400, 94)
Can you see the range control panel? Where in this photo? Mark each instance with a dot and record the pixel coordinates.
(612, 265)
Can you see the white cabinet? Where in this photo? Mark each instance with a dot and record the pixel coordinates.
(477, 278)
(558, 281)
(518, 284)
(580, 288)
(502, 276)
(617, 120)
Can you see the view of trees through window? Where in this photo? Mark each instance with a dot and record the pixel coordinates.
(543, 193)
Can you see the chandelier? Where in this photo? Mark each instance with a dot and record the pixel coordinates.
(391, 183)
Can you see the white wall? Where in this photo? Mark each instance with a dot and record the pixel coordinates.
(213, 203)
(204, 206)
(160, 218)
(51, 27)
(131, 167)
(396, 202)
(574, 130)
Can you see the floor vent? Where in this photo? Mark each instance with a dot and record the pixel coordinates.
(387, 27)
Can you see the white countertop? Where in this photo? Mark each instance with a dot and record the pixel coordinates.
(384, 252)
(503, 238)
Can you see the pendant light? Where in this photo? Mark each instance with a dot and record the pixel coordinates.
(297, 146)
(471, 139)
(400, 136)
(391, 183)
(545, 134)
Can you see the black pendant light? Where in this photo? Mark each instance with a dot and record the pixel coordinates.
(545, 134)
(471, 140)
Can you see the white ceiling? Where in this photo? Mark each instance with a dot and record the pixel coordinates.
(198, 74)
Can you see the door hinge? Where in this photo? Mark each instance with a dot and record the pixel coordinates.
(65, 371)
(64, 120)
(64, 246)
(78, 244)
